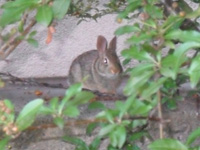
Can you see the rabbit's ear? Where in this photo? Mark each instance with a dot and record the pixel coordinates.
(101, 43)
(113, 44)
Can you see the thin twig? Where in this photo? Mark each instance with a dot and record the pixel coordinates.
(160, 114)
(69, 123)
(88, 121)
(8, 43)
(26, 31)
(12, 38)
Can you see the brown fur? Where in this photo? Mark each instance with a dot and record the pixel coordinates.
(101, 68)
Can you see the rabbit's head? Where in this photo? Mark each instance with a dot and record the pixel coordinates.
(108, 63)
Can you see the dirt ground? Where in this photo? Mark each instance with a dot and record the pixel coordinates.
(183, 120)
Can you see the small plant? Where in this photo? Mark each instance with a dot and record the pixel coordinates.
(68, 106)
(11, 124)
(157, 77)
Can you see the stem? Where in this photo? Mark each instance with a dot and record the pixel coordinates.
(160, 114)
(26, 31)
(69, 123)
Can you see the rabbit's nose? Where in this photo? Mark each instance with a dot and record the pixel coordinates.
(114, 70)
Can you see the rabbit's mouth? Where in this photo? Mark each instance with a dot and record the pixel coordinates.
(109, 74)
(115, 71)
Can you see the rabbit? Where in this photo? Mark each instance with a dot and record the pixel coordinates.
(100, 68)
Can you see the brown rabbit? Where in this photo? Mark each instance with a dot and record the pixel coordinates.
(101, 68)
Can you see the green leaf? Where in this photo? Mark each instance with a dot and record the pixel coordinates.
(107, 129)
(60, 8)
(193, 136)
(167, 144)
(135, 53)
(4, 142)
(141, 68)
(139, 108)
(13, 10)
(172, 23)
(194, 14)
(132, 147)
(11, 115)
(177, 59)
(96, 105)
(167, 64)
(33, 33)
(91, 127)
(28, 114)
(151, 23)
(136, 39)
(10, 16)
(137, 123)
(170, 84)
(54, 103)
(9, 104)
(154, 11)
(180, 51)
(184, 36)
(33, 42)
(73, 89)
(95, 144)
(59, 122)
(110, 147)
(82, 97)
(108, 114)
(130, 8)
(170, 44)
(20, 4)
(76, 141)
(118, 136)
(46, 110)
(123, 107)
(21, 26)
(44, 15)
(71, 111)
(185, 6)
(136, 82)
(194, 71)
(153, 88)
(137, 135)
(126, 29)
(171, 104)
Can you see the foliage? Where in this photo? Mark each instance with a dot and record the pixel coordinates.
(81, 145)
(11, 124)
(68, 106)
(24, 14)
(153, 81)
(155, 74)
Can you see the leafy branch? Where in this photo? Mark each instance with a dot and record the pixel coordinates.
(25, 14)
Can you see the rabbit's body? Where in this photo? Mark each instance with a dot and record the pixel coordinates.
(101, 68)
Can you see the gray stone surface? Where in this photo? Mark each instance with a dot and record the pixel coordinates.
(54, 59)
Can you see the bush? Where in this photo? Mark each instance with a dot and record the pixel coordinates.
(154, 81)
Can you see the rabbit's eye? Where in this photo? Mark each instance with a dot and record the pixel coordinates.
(105, 61)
